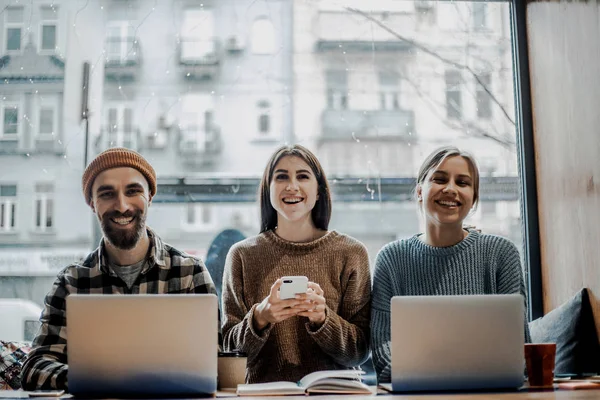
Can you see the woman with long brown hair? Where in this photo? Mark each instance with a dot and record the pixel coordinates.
(328, 326)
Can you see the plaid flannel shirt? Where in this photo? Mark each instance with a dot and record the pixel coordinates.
(169, 271)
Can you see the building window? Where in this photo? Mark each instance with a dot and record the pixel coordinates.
(120, 43)
(264, 117)
(263, 36)
(120, 130)
(479, 16)
(337, 89)
(389, 92)
(198, 216)
(197, 121)
(44, 206)
(484, 102)
(48, 28)
(10, 118)
(8, 207)
(46, 121)
(13, 28)
(197, 34)
(453, 95)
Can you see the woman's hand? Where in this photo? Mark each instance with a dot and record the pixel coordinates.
(312, 304)
(273, 310)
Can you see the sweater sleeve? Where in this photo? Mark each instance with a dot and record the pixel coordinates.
(344, 336)
(238, 327)
(510, 277)
(380, 319)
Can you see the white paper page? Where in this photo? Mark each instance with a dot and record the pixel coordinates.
(310, 379)
(269, 388)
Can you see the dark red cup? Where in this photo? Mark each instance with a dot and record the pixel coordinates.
(540, 363)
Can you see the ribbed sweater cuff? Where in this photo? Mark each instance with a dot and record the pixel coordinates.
(323, 325)
(263, 335)
(329, 330)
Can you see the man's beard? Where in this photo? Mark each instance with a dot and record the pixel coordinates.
(124, 239)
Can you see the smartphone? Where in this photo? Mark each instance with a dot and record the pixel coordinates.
(292, 285)
(47, 393)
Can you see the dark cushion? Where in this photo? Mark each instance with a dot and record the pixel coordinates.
(12, 356)
(571, 326)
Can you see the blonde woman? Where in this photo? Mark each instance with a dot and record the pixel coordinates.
(448, 258)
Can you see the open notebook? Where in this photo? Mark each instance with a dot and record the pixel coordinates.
(336, 381)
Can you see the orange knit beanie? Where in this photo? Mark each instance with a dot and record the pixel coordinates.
(114, 158)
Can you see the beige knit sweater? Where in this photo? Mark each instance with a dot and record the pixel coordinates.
(290, 349)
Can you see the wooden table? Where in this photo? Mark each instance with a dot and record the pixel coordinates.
(521, 395)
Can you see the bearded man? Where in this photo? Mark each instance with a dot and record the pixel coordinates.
(118, 185)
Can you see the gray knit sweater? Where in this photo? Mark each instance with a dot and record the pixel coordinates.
(480, 264)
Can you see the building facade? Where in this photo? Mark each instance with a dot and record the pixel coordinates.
(206, 91)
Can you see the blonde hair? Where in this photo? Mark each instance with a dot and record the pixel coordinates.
(436, 158)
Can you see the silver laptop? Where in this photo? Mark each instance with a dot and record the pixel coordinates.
(457, 342)
(142, 344)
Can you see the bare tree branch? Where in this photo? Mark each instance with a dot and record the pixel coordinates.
(435, 55)
(475, 130)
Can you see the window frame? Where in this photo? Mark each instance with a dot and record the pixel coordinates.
(48, 22)
(264, 119)
(119, 133)
(47, 102)
(454, 88)
(481, 96)
(8, 210)
(389, 95)
(526, 157)
(199, 209)
(197, 119)
(44, 197)
(4, 106)
(13, 25)
(125, 29)
(198, 52)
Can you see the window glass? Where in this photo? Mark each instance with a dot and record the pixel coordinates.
(484, 101)
(453, 94)
(11, 120)
(46, 121)
(13, 39)
(372, 87)
(13, 27)
(48, 37)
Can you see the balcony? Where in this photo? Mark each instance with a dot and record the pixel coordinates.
(353, 32)
(367, 125)
(123, 58)
(200, 59)
(200, 146)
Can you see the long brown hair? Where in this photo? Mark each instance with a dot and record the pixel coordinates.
(321, 212)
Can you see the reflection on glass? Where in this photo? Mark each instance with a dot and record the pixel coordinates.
(206, 92)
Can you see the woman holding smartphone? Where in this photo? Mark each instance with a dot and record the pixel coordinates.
(448, 258)
(327, 326)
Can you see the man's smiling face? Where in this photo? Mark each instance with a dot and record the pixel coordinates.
(120, 199)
